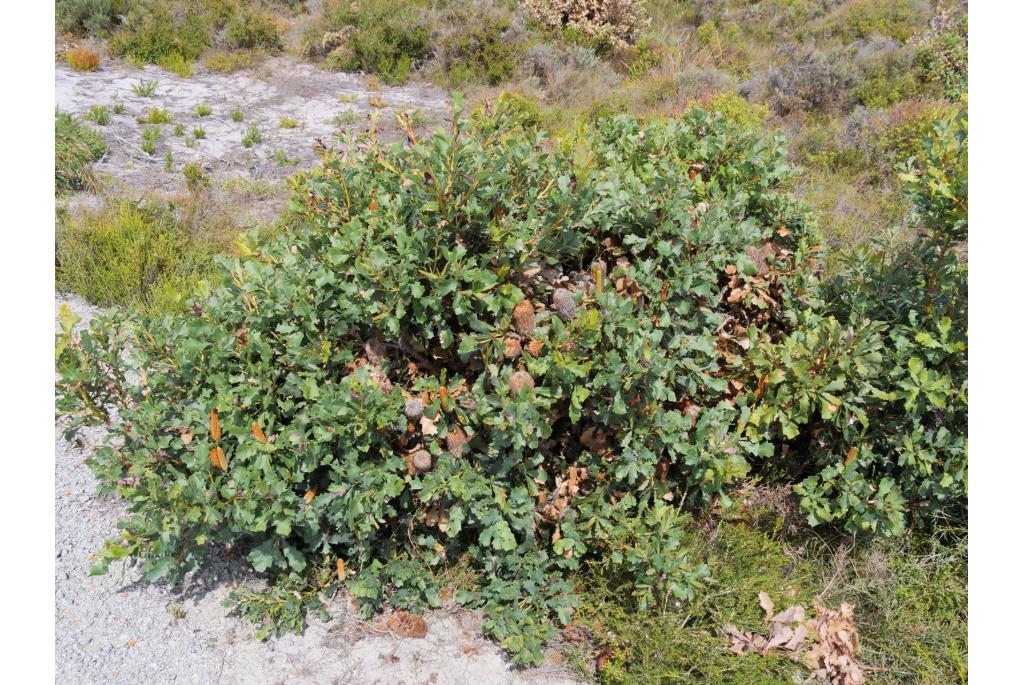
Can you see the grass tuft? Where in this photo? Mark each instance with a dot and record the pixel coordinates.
(75, 146)
(82, 59)
(144, 88)
(130, 255)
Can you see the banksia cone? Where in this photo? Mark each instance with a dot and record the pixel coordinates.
(534, 347)
(564, 304)
(420, 461)
(414, 409)
(523, 319)
(758, 257)
(513, 348)
(520, 380)
(456, 440)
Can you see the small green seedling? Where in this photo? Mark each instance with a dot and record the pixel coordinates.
(99, 115)
(144, 88)
(251, 136)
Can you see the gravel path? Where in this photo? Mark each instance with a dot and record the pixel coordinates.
(118, 629)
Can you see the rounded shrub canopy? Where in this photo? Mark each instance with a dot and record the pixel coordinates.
(478, 346)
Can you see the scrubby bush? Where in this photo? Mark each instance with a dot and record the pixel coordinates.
(383, 37)
(737, 110)
(130, 255)
(471, 347)
(858, 19)
(252, 28)
(942, 54)
(75, 147)
(87, 16)
(603, 23)
(872, 390)
(231, 61)
(151, 32)
(571, 73)
(810, 79)
(82, 59)
(511, 112)
(479, 51)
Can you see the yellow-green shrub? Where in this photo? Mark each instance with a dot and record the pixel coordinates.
(130, 255)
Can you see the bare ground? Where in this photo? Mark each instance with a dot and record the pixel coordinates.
(324, 105)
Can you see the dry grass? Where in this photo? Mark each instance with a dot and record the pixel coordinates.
(82, 59)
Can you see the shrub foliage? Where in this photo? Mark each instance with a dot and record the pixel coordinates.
(481, 346)
(76, 146)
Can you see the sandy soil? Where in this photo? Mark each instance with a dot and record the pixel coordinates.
(323, 104)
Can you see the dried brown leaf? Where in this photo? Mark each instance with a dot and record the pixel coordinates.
(404, 624)
(214, 425)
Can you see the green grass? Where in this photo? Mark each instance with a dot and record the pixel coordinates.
(236, 115)
(98, 114)
(75, 147)
(155, 115)
(685, 644)
(909, 597)
(199, 133)
(202, 110)
(144, 88)
(119, 108)
(287, 122)
(176, 63)
(283, 160)
(251, 136)
(130, 255)
(150, 135)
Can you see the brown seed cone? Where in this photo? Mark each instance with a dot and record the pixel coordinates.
(758, 257)
(513, 348)
(520, 380)
(456, 439)
(420, 461)
(564, 304)
(523, 318)
(534, 347)
(414, 409)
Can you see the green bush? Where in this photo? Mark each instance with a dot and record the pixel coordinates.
(153, 33)
(75, 147)
(647, 55)
(478, 52)
(469, 347)
(389, 39)
(898, 19)
(511, 112)
(87, 16)
(130, 255)
(251, 29)
(736, 109)
(943, 58)
(871, 391)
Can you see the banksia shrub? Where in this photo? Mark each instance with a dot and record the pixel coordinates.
(81, 59)
(478, 346)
